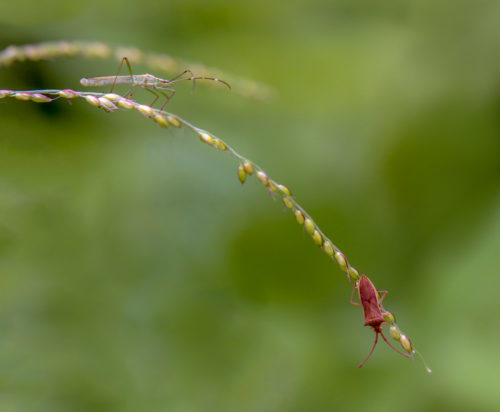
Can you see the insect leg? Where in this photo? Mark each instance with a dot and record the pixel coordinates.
(125, 59)
(157, 96)
(382, 295)
(352, 297)
(132, 91)
(373, 348)
(386, 341)
(166, 95)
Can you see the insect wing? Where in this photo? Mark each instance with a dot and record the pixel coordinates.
(369, 300)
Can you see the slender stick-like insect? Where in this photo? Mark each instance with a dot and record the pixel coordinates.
(373, 311)
(149, 82)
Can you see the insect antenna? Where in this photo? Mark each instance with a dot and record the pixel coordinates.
(194, 78)
(392, 347)
(386, 341)
(373, 348)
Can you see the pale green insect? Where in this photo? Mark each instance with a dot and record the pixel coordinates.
(155, 85)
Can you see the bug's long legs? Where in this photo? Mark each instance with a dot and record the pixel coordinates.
(352, 298)
(370, 354)
(125, 59)
(386, 341)
(167, 97)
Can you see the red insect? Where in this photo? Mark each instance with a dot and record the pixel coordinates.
(373, 311)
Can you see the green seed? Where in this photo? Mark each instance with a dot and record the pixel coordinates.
(288, 202)
(406, 344)
(23, 96)
(389, 318)
(113, 97)
(328, 248)
(145, 110)
(395, 333)
(67, 94)
(174, 121)
(206, 138)
(285, 190)
(353, 273)
(262, 177)
(158, 118)
(5, 93)
(94, 101)
(317, 238)
(248, 167)
(107, 104)
(340, 258)
(300, 217)
(219, 144)
(242, 174)
(40, 98)
(309, 225)
(125, 104)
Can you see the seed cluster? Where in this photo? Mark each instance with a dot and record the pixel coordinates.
(109, 102)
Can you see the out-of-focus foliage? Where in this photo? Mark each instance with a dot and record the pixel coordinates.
(136, 273)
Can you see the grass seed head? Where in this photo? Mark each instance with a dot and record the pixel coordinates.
(174, 121)
(107, 104)
(40, 98)
(219, 144)
(146, 110)
(300, 217)
(248, 167)
(206, 138)
(125, 103)
(317, 238)
(22, 96)
(5, 93)
(242, 174)
(309, 225)
(341, 261)
(68, 94)
(285, 190)
(395, 332)
(91, 99)
(328, 248)
(389, 318)
(405, 343)
(262, 178)
(353, 273)
(161, 120)
(113, 97)
(288, 202)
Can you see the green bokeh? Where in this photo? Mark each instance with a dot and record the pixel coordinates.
(136, 274)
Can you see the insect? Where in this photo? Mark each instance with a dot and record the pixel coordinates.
(153, 84)
(373, 311)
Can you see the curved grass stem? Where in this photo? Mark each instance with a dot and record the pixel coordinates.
(111, 102)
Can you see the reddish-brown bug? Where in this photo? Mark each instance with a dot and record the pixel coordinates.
(373, 311)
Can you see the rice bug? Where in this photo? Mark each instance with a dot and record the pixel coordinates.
(373, 311)
(149, 82)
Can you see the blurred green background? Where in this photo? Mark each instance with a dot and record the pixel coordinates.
(136, 274)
